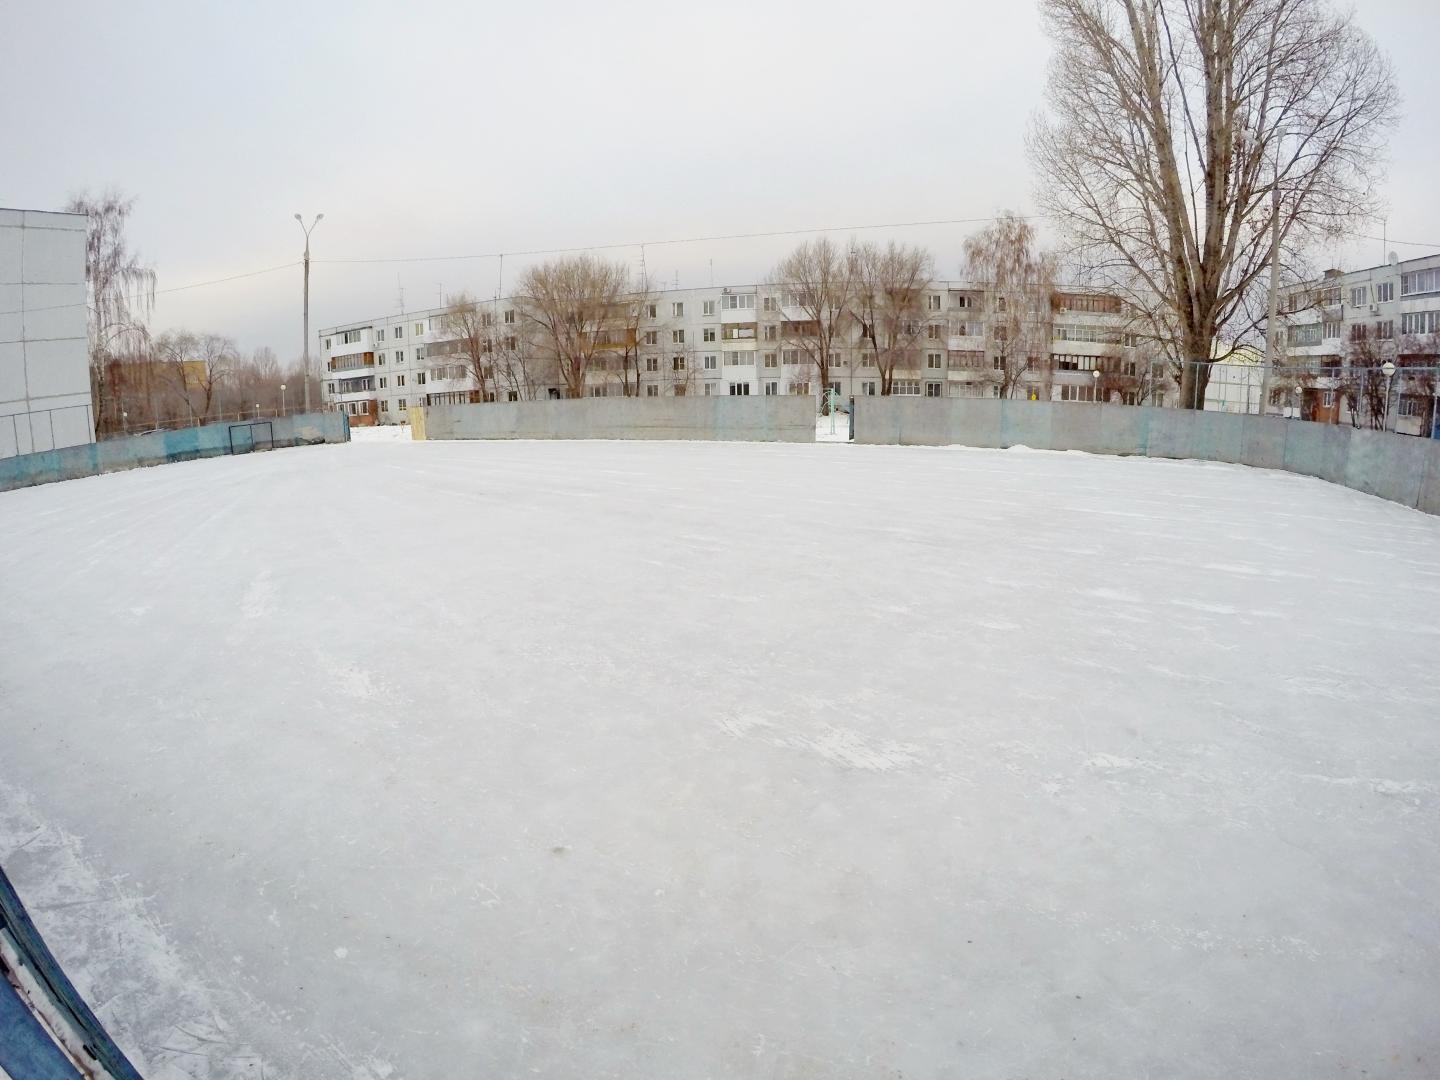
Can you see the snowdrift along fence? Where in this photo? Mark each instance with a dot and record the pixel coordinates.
(1400, 468)
(182, 444)
(737, 419)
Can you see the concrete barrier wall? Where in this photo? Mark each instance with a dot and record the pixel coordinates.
(1400, 468)
(159, 447)
(747, 419)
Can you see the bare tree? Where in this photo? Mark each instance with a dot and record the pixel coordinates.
(471, 340)
(568, 302)
(1019, 279)
(889, 303)
(1172, 126)
(120, 293)
(625, 337)
(197, 365)
(817, 285)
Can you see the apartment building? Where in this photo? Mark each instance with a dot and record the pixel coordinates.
(747, 339)
(1339, 331)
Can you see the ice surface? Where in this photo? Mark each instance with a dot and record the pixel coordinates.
(709, 760)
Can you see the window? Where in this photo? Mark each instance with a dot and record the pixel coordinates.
(1359, 332)
(739, 389)
(1420, 322)
(905, 387)
(420, 352)
(652, 363)
(709, 389)
(790, 356)
(935, 331)
(330, 388)
(771, 332)
(1309, 334)
(769, 304)
(710, 359)
(419, 328)
(512, 343)
(384, 406)
(400, 381)
(652, 337)
(349, 337)
(959, 301)
(972, 360)
(512, 395)
(1328, 399)
(932, 389)
(1329, 297)
(327, 340)
(677, 363)
(1384, 292)
(382, 382)
(1331, 329)
(380, 334)
(707, 307)
(772, 389)
(1412, 404)
(397, 332)
(932, 302)
(867, 389)
(677, 309)
(1420, 281)
(734, 359)
(935, 361)
(1385, 331)
(420, 378)
(652, 390)
(677, 337)
(1359, 295)
(708, 334)
(771, 360)
(599, 391)
(1077, 393)
(380, 359)
(737, 301)
(800, 388)
(401, 403)
(837, 359)
(399, 356)
(650, 310)
(509, 316)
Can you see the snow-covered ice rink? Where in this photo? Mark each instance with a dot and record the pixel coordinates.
(702, 760)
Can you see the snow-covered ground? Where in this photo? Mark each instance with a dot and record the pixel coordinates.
(713, 760)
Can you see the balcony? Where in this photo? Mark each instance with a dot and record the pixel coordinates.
(351, 362)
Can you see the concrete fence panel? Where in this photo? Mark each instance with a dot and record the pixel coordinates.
(1399, 468)
(747, 419)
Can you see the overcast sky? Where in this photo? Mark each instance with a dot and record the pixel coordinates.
(448, 128)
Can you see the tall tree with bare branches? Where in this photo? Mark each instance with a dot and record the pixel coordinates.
(817, 287)
(568, 301)
(889, 303)
(470, 341)
(1019, 279)
(1179, 130)
(120, 292)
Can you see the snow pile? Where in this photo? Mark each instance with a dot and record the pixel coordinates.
(700, 759)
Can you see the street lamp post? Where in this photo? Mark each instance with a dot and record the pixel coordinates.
(1095, 374)
(257, 410)
(1388, 367)
(282, 399)
(306, 353)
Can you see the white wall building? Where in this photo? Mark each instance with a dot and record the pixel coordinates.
(45, 398)
(1339, 330)
(733, 340)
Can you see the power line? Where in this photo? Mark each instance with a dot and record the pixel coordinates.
(657, 243)
(1402, 243)
(163, 292)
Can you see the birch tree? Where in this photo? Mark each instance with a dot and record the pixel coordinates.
(1019, 279)
(120, 293)
(1179, 131)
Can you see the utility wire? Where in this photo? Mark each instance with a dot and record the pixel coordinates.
(658, 243)
(163, 292)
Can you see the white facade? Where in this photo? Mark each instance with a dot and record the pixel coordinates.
(731, 340)
(45, 398)
(1235, 383)
(1346, 325)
